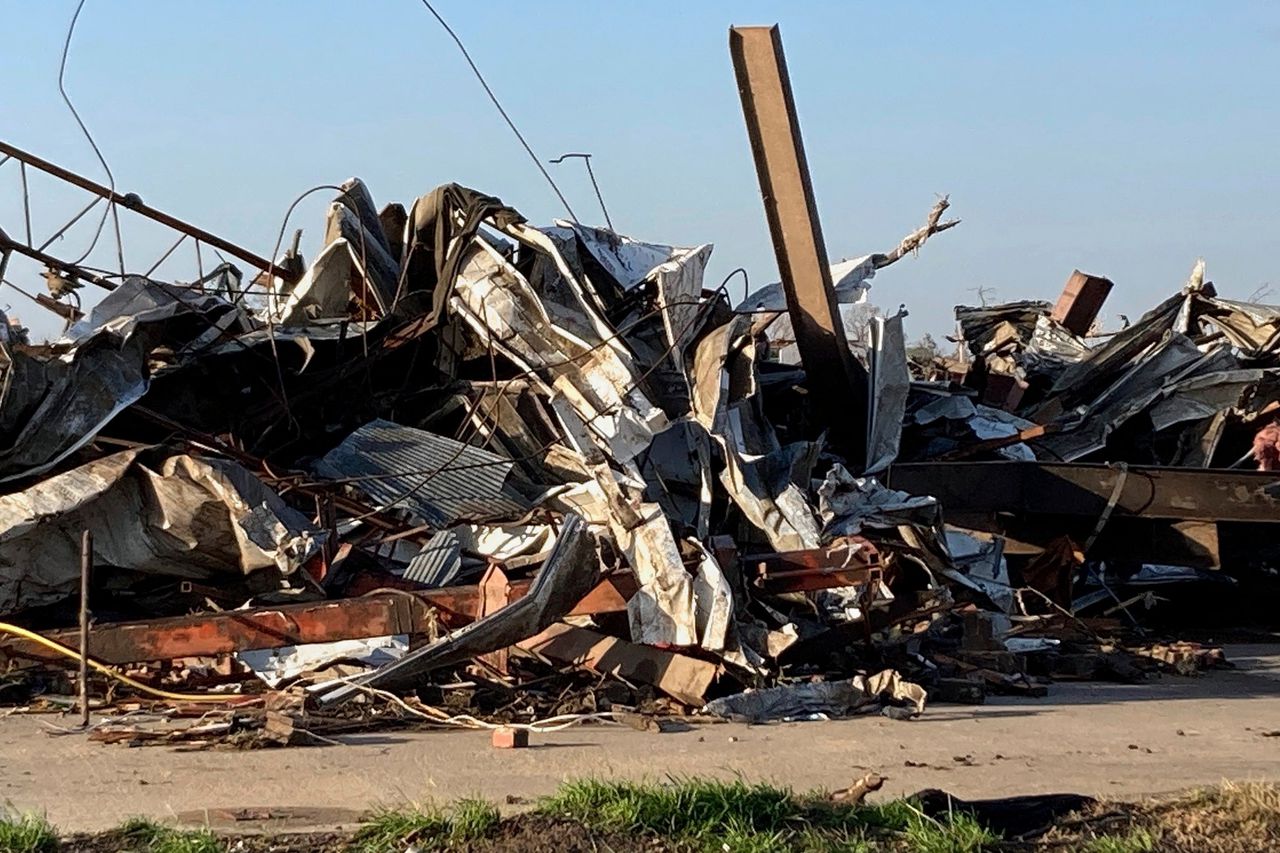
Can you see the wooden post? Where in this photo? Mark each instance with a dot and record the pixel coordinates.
(836, 379)
(86, 568)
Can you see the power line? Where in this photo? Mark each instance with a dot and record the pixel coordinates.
(66, 99)
(511, 124)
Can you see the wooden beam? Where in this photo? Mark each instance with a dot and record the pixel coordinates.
(682, 677)
(838, 382)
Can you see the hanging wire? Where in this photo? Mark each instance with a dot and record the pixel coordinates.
(586, 158)
(511, 124)
(111, 178)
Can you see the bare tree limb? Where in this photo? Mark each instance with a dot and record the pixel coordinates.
(913, 241)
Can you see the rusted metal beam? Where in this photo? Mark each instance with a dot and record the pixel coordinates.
(374, 615)
(833, 374)
(378, 614)
(852, 561)
(132, 202)
(8, 244)
(229, 631)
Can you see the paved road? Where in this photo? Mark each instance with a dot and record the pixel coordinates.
(1097, 739)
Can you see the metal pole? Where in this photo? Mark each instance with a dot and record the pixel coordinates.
(8, 244)
(132, 202)
(86, 568)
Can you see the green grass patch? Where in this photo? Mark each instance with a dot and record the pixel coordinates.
(26, 833)
(427, 827)
(146, 836)
(738, 817)
(955, 833)
(392, 829)
(470, 819)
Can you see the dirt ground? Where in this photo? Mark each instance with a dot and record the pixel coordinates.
(1098, 739)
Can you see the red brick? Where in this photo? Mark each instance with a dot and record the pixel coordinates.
(507, 738)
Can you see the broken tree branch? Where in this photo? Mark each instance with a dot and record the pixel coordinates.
(913, 241)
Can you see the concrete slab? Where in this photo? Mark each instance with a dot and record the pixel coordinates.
(1098, 739)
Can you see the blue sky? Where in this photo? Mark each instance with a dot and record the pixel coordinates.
(1123, 139)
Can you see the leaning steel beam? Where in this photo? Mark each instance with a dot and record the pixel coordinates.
(132, 202)
(833, 374)
(1068, 488)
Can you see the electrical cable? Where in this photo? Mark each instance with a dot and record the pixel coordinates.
(511, 124)
(111, 179)
(466, 721)
(54, 646)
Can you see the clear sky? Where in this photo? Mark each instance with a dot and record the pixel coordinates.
(1125, 139)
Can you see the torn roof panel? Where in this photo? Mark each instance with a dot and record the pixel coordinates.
(436, 479)
(629, 261)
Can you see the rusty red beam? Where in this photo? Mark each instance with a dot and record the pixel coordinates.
(852, 561)
(8, 244)
(375, 615)
(378, 614)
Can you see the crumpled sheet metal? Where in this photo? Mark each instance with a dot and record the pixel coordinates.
(890, 383)
(1206, 395)
(569, 573)
(501, 307)
(595, 392)
(851, 279)
(675, 271)
(1160, 374)
(713, 599)
(850, 505)
(859, 694)
(847, 503)
(324, 291)
(181, 516)
(437, 564)
(982, 326)
(356, 266)
(1115, 354)
(140, 301)
(1253, 328)
(51, 407)
(761, 477)
(285, 663)
(981, 566)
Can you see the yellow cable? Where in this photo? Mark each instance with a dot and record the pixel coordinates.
(52, 645)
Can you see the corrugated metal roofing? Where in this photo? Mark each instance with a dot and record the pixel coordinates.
(437, 479)
(438, 563)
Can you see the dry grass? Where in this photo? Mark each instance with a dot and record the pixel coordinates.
(1229, 818)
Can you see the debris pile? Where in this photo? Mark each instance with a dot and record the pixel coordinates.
(461, 470)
